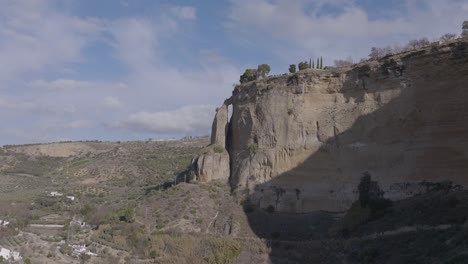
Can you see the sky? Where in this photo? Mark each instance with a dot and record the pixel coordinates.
(133, 70)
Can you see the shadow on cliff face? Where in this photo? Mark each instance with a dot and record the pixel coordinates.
(422, 135)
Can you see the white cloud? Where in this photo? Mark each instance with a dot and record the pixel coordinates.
(294, 29)
(112, 102)
(74, 84)
(45, 88)
(16, 105)
(184, 12)
(137, 43)
(78, 124)
(37, 37)
(188, 119)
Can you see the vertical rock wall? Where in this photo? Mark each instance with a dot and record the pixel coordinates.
(213, 163)
(302, 142)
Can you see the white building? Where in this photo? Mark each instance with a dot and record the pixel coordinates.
(78, 249)
(4, 223)
(53, 194)
(10, 255)
(71, 198)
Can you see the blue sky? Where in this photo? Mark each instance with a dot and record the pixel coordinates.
(132, 70)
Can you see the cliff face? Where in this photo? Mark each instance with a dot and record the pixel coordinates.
(302, 142)
(213, 163)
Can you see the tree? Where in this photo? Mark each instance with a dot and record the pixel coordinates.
(343, 63)
(313, 65)
(263, 70)
(318, 63)
(448, 37)
(424, 42)
(418, 43)
(321, 63)
(387, 51)
(303, 65)
(292, 68)
(127, 215)
(376, 53)
(310, 64)
(464, 33)
(249, 75)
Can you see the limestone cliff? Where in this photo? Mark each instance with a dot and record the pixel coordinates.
(213, 163)
(302, 142)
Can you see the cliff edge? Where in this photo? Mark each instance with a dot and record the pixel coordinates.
(301, 142)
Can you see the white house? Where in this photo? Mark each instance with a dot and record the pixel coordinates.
(4, 223)
(9, 254)
(71, 198)
(78, 249)
(53, 194)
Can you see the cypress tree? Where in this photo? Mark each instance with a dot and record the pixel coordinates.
(310, 63)
(318, 63)
(321, 65)
(313, 65)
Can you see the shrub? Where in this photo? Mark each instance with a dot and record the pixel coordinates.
(248, 76)
(448, 37)
(153, 254)
(343, 63)
(252, 148)
(223, 251)
(127, 215)
(292, 68)
(218, 149)
(303, 65)
(263, 70)
(464, 33)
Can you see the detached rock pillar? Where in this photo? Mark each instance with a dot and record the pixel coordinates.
(213, 164)
(220, 125)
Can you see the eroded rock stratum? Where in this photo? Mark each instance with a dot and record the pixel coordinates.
(302, 142)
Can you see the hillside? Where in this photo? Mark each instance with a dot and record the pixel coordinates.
(365, 164)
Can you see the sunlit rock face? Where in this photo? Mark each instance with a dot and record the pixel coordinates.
(301, 142)
(213, 163)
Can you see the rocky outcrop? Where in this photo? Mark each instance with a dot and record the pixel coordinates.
(301, 142)
(213, 163)
(220, 126)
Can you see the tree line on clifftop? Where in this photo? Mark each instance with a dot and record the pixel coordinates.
(263, 70)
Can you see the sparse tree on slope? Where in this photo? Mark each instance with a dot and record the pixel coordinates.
(249, 75)
(418, 43)
(263, 70)
(464, 33)
(376, 53)
(343, 63)
(303, 65)
(448, 37)
(292, 68)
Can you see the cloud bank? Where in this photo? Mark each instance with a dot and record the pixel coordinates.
(69, 72)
